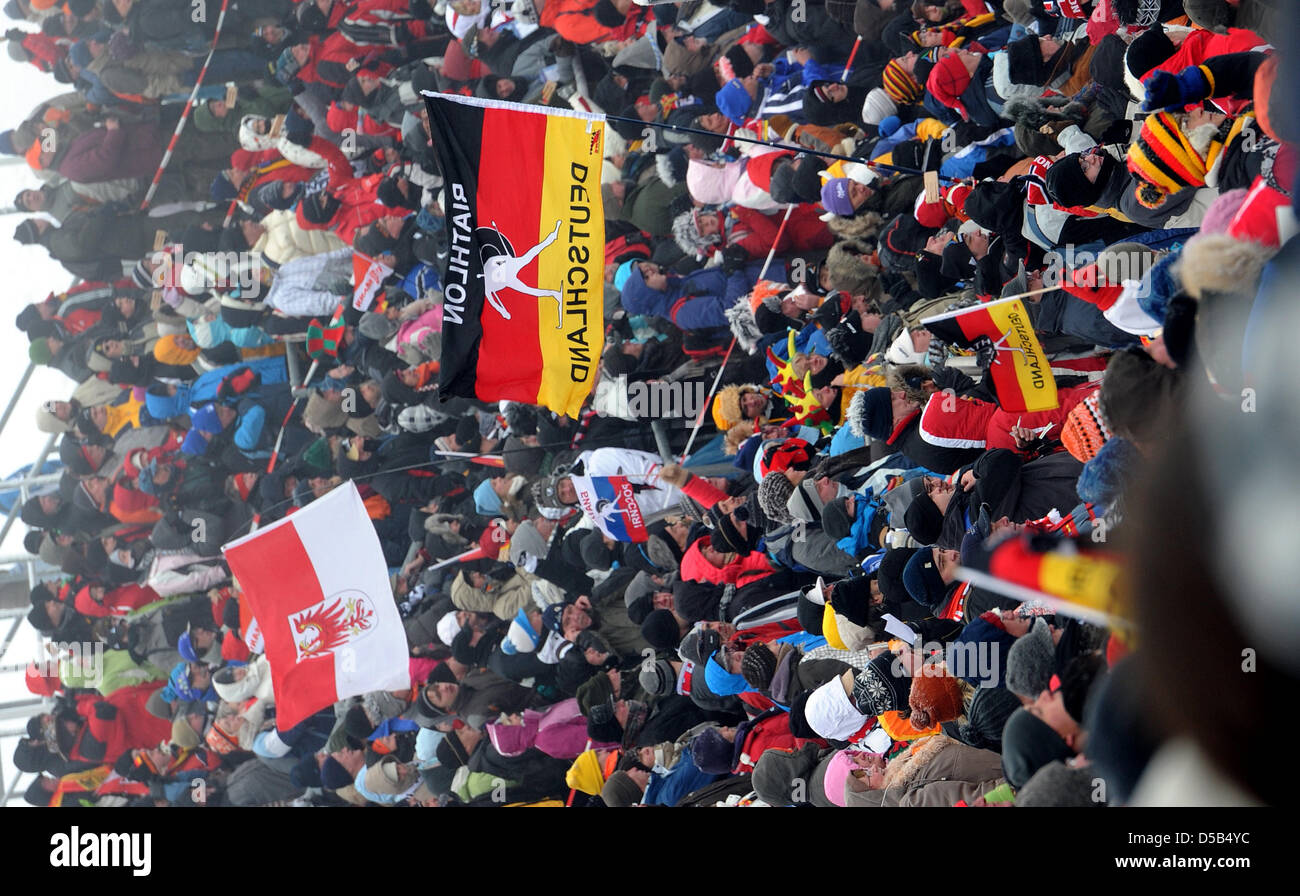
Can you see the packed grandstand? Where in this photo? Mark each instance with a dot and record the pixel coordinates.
(903, 438)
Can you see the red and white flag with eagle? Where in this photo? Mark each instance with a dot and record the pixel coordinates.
(318, 585)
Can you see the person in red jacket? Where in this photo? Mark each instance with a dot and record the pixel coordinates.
(97, 601)
(702, 562)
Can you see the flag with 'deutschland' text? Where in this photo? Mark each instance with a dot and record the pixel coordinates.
(1021, 371)
(524, 284)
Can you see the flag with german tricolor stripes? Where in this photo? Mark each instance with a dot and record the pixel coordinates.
(524, 284)
(1021, 372)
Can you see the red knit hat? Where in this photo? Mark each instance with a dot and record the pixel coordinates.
(760, 168)
(930, 214)
(947, 81)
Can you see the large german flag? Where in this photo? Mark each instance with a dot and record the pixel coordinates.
(524, 283)
(1021, 372)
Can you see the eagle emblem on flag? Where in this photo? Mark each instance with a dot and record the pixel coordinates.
(323, 628)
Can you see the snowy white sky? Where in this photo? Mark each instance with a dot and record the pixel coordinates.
(28, 274)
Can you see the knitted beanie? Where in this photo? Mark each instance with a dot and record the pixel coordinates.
(878, 106)
(1085, 429)
(620, 791)
(871, 414)
(658, 678)
(948, 80)
(899, 84)
(712, 752)
(922, 580)
(1068, 185)
(1031, 661)
(877, 690)
(1165, 161)
(773, 494)
(661, 631)
(758, 665)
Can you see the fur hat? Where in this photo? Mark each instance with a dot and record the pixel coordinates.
(726, 405)
(935, 697)
(871, 414)
(773, 494)
(686, 233)
(848, 270)
(1031, 662)
(1165, 159)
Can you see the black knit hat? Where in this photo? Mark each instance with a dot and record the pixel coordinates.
(850, 342)
(357, 723)
(827, 374)
(924, 520)
(889, 574)
(1028, 744)
(807, 179)
(1025, 61)
(810, 615)
(836, 521)
(1068, 185)
(758, 665)
(877, 690)
(661, 631)
(852, 599)
(799, 726)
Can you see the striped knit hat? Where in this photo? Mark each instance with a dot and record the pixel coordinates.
(900, 85)
(1165, 161)
(1085, 429)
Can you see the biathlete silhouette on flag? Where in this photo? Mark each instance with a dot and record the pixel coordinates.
(501, 269)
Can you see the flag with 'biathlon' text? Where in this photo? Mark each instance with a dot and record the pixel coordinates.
(523, 290)
(1021, 372)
